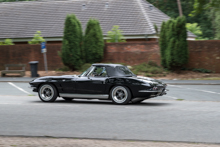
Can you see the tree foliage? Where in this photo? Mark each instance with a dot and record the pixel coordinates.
(195, 29)
(163, 44)
(203, 5)
(181, 54)
(93, 43)
(71, 53)
(37, 39)
(115, 35)
(203, 20)
(216, 15)
(173, 43)
(7, 42)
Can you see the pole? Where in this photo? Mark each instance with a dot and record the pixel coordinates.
(180, 8)
(45, 61)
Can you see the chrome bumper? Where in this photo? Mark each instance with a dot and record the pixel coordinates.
(159, 93)
(164, 92)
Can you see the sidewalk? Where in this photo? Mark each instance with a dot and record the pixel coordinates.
(172, 82)
(72, 142)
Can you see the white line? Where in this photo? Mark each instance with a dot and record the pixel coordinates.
(174, 86)
(195, 89)
(18, 88)
(175, 98)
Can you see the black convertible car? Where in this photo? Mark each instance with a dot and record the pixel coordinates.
(101, 81)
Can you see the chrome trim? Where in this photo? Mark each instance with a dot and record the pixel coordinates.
(85, 96)
(119, 94)
(147, 91)
(46, 92)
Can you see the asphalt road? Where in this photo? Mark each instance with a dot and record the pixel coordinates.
(188, 113)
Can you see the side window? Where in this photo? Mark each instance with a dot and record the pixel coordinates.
(124, 70)
(99, 71)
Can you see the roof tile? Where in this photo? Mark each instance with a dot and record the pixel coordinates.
(23, 19)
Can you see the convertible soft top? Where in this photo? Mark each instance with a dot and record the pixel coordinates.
(115, 70)
(104, 64)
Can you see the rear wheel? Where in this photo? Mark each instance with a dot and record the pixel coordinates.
(120, 95)
(47, 93)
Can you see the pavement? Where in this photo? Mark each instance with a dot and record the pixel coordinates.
(27, 141)
(77, 142)
(173, 82)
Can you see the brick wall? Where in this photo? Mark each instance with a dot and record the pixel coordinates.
(202, 54)
(132, 52)
(15, 54)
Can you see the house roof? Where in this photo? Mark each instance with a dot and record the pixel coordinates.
(23, 19)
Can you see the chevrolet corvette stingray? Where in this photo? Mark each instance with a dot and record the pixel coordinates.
(113, 82)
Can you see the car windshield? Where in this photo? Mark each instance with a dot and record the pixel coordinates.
(85, 73)
(125, 71)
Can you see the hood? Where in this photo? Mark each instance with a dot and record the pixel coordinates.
(57, 77)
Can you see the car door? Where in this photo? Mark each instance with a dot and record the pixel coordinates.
(66, 85)
(93, 82)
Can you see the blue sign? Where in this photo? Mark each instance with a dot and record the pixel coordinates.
(43, 47)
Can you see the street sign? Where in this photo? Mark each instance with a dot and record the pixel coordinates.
(44, 50)
(43, 47)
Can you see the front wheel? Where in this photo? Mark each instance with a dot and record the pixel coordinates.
(120, 95)
(47, 93)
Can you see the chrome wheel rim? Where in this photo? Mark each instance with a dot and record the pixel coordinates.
(46, 92)
(119, 94)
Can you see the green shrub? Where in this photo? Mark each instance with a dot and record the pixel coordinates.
(85, 67)
(37, 39)
(155, 70)
(202, 70)
(65, 68)
(115, 35)
(163, 44)
(173, 43)
(150, 68)
(93, 43)
(71, 53)
(152, 63)
(149, 75)
(7, 42)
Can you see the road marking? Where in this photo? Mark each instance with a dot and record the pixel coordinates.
(19, 88)
(174, 86)
(195, 89)
(175, 98)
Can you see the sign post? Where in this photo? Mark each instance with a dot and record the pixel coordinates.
(44, 50)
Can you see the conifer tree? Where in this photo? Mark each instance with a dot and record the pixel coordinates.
(171, 41)
(163, 44)
(177, 49)
(72, 38)
(181, 47)
(93, 43)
